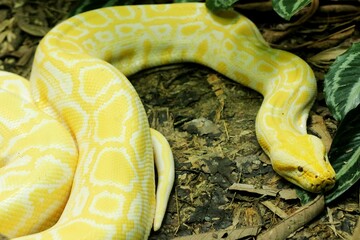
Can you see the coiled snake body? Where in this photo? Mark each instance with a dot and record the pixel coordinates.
(79, 112)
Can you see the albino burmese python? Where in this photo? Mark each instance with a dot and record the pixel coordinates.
(79, 112)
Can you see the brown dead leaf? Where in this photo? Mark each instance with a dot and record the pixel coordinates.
(250, 188)
(264, 158)
(333, 39)
(236, 218)
(275, 209)
(327, 56)
(296, 220)
(252, 217)
(26, 54)
(318, 126)
(34, 30)
(339, 8)
(5, 24)
(288, 194)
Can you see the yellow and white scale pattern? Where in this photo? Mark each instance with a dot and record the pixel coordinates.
(78, 85)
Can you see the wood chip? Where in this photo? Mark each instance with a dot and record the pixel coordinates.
(275, 209)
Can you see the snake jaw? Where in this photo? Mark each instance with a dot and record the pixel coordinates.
(307, 179)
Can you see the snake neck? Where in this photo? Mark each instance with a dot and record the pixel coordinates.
(287, 102)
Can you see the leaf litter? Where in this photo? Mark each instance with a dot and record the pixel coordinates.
(219, 150)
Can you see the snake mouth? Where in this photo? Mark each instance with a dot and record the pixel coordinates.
(318, 186)
(324, 186)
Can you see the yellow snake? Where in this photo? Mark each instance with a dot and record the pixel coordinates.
(76, 148)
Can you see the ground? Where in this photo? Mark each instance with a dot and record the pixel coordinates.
(209, 122)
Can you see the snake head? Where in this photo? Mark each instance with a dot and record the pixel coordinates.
(303, 161)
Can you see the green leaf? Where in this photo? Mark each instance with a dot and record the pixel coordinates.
(287, 8)
(342, 94)
(342, 83)
(344, 154)
(216, 5)
(304, 196)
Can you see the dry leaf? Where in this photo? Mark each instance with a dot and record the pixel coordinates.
(250, 188)
(295, 220)
(275, 209)
(318, 126)
(288, 194)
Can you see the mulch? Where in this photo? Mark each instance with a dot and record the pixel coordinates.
(224, 184)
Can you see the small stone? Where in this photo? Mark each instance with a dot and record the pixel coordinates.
(202, 126)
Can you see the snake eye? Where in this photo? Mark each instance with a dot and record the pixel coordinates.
(300, 169)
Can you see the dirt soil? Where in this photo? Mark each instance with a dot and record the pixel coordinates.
(209, 121)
